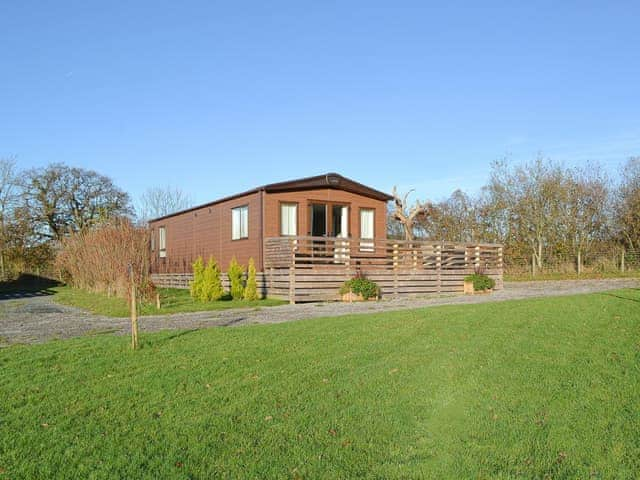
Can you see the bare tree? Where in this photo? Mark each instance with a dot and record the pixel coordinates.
(408, 216)
(62, 199)
(455, 218)
(160, 201)
(8, 198)
(627, 205)
(531, 196)
(586, 218)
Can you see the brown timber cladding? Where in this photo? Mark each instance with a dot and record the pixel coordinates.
(206, 231)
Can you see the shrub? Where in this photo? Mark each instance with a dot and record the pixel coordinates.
(196, 287)
(251, 290)
(212, 284)
(361, 286)
(480, 281)
(97, 259)
(235, 274)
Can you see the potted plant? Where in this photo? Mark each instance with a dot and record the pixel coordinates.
(359, 289)
(478, 283)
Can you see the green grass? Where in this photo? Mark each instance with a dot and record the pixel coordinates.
(527, 277)
(172, 300)
(545, 388)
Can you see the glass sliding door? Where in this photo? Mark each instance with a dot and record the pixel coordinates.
(367, 216)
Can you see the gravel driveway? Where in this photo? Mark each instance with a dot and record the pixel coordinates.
(37, 318)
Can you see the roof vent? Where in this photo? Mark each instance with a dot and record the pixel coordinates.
(333, 179)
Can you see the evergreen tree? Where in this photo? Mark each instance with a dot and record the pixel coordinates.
(251, 290)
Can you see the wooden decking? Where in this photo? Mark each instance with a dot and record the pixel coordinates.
(313, 268)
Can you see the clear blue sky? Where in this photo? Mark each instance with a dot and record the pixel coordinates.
(218, 97)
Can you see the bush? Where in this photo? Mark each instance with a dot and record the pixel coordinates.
(480, 281)
(212, 284)
(361, 286)
(235, 274)
(251, 290)
(196, 287)
(97, 259)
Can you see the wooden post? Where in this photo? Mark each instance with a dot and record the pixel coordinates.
(579, 261)
(500, 267)
(292, 276)
(476, 263)
(439, 268)
(622, 261)
(395, 269)
(158, 300)
(533, 265)
(134, 310)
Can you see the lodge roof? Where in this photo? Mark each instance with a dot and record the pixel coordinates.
(328, 180)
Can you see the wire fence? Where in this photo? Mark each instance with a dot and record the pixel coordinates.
(600, 260)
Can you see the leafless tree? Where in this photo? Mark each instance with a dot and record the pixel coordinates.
(407, 215)
(9, 195)
(627, 204)
(62, 199)
(159, 201)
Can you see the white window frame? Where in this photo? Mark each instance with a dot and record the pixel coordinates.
(240, 222)
(162, 241)
(288, 219)
(366, 239)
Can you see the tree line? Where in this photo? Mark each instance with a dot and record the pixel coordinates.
(539, 210)
(39, 207)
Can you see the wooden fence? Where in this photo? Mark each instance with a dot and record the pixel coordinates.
(313, 268)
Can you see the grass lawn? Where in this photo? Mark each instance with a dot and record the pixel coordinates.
(545, 388)
(172, 300)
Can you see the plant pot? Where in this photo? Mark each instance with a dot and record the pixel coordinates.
(351, 297)
(468, 288)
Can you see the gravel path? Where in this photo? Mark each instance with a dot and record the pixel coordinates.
(37, 318)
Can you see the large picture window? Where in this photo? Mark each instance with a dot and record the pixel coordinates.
(288, 219)
(240, 222)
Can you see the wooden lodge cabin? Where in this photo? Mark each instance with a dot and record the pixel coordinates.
(307, 237)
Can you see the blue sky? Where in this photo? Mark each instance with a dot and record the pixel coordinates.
(218, 97)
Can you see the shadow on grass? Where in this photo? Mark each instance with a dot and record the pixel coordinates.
(146, 342)
(27, 285)
(622, 297)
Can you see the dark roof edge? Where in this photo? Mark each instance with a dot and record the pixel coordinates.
(307, 183)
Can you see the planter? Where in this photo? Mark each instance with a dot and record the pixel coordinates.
(468, 289)
(351, 297)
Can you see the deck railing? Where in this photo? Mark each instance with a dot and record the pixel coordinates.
(317, 252)
(313, 268)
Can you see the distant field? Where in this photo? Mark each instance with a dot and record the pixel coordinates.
(525, 277)
(173, 300)
(544, 388)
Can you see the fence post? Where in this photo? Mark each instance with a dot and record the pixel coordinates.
(622, 260)
(134, 312)
(476, 263)
(395, 269)
(292, 276)
(579, 260)
(439, 268)
(533, 264)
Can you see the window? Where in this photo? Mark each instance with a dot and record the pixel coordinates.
(162, 242)
(240, 222)
(366, 229)
(288, 219)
